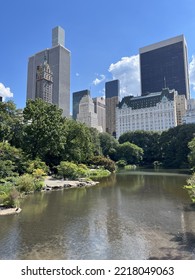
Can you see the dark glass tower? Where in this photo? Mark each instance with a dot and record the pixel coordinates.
(165, 64)
(112, 90)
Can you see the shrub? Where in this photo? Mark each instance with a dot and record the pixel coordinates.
(25, 183)
(105, 162)
(67, 170)
(121, 163)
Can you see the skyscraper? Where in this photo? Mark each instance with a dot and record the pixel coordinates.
(58, 61)
(165, 65)
(77, 96)
(112, 90)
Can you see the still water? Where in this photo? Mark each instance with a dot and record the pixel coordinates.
(131, 215)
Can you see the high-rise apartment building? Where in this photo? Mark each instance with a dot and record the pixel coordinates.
(165, 64)
(77, 96)
(112, 90)
(58, 60)
(87, 113)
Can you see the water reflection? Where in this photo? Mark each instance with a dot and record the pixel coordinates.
(132, 215)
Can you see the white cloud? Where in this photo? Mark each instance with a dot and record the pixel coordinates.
(192, 72)
(77, 74)
(127, 72)
(98, 81)
(5, 92)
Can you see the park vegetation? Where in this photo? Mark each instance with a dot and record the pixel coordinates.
(41, 141)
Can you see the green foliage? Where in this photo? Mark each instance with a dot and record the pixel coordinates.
(8, 195)
(37, 164)
(11, 160)
(174, 146)
(129, 152)
(10, 123)
(44, 131)
(191, 155)
(121, 163)
(79, 143)
(70, 170)
(148, 141)
(108, 145)
(190, 187)
(103, 161)
(98, 173)
(28, 183)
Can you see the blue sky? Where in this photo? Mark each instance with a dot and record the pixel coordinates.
(103, 36)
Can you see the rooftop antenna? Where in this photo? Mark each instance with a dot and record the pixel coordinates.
(165, 83)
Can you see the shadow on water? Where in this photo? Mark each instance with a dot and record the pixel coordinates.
(185, 244)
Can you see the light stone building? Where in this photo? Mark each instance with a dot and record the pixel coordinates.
(189, 117)
(87, 113)
(152, 112)
(100, 110)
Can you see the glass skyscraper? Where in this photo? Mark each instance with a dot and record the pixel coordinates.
(165, 65)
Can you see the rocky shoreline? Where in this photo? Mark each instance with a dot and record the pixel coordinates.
(51, 184)
(9, 211)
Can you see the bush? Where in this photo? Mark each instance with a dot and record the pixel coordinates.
(190, 187)
(25, 183)
(121, 163)
(8, 195)
(68, 170)
(105, 162)
(33, 165)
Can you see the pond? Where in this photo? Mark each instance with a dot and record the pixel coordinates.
(134, 215)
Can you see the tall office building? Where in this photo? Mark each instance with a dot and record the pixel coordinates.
(112, 90)
(165, 65)
(58, 60)
(77, 96)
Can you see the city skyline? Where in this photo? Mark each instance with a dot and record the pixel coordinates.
(103, 39)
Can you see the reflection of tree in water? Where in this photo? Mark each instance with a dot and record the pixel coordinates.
(131, 183)
(184, 250)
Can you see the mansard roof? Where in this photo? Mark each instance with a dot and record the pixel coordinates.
(149, 100)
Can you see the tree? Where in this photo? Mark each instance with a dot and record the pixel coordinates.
(148, 141)
(108, 145)
(44, 131)
(12, 160)
(10, 123)
(129, 152)
(174, 146)
(191, 155)
(79, 146)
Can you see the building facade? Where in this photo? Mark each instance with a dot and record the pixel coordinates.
(152, 112)
(77, 96)
(87, 113)
(189, 116)
(112, 91)
(58, 59)
(44, 82)
(100, 110)
(165, 64)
